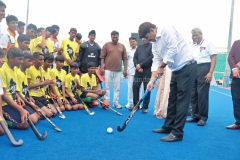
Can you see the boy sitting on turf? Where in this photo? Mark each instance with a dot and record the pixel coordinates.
(23, 82)
(71, 85)
(15, 115)
(89, 85)
(42, 43)
(2, 60)
(48, 61)
(9, 36)
(36, 82)
(59, 75)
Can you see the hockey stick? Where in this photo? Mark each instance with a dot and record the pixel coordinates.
(9, 135)
(85, 106)
(55, 127)
(46, 95)
(58, 109)
(39, 136)
(136, 107)
(110, 108)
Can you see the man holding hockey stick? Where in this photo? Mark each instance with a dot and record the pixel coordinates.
(170, 48)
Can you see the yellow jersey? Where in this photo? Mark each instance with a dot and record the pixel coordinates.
(9, 81)
(48, 47)
(23, 83)
(71, 84)
(59, 78)
(70, 48)
(35, 77)
(88, 82)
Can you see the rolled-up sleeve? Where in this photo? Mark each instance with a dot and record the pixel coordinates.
(170, 38)
(156, 58)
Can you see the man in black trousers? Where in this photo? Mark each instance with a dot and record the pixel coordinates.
(143, 63)
(170, 48)
(205, 54)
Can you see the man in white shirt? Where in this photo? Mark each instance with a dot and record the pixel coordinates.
(131, 72)
(204, 53)
(170, 48)
(2, 15)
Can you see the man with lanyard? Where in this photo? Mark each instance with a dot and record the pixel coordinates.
(205, 54)
(170, 48)
(89, 52)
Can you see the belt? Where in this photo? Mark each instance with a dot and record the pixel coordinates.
(203, 64)
(191, 62)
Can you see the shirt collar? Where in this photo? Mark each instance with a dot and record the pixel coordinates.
(200, 43)
(54, 40)
(134, 49)
(11, 33)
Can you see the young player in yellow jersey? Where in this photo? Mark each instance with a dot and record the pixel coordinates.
(15, 115)
(42, 43)
(30, 32)
(35, 83)
(89, 84)
(48, 61)
(59, 75)
(70, 49)
(72, 85)
(23, 83)
(2, 60)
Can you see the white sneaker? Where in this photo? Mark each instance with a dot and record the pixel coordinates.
(140, 107)
(117, 105)
(127, 106)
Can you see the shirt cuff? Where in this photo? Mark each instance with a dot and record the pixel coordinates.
(168, 61)
(154, 68)
(234, 68)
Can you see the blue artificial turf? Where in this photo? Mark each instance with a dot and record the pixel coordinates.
(85, 137)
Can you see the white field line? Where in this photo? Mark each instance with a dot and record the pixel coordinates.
(221, 93)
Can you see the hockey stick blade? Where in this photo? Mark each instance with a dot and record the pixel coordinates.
(134, 109)
(9, 135)
(55, 127)
(58, 109)
(39, 136)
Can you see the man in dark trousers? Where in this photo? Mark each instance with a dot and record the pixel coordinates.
(89, 52)
(170, 48)
(143, 63)
(234, 63)
(205, 54)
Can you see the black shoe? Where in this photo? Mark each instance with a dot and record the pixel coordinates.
(191, 120)
(144, 110)
(170, 138)
(89, 104)
(201, 123)
(161, 130)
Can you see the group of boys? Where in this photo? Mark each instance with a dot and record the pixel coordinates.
(29, 80)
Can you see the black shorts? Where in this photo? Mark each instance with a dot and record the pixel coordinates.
(70, 101)
(40, 101)
(84, 95)
(13, 115)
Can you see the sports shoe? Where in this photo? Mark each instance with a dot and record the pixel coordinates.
(127, 106)
(117, 105)
(95, 103)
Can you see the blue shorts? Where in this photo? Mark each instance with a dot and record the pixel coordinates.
(13, 115)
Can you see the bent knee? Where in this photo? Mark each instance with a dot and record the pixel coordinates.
(23, 126)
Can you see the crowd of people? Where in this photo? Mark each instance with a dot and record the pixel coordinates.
(37, 68)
